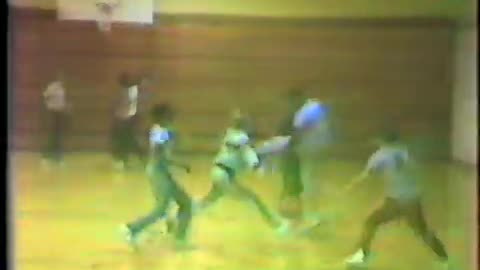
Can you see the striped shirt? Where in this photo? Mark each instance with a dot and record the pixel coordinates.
(54, 96)
(393, 164)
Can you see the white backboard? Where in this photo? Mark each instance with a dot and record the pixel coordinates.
(132, 11)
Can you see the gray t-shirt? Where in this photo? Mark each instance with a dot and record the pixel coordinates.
(393, 164)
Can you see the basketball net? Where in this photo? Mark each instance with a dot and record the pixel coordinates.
(105, 15)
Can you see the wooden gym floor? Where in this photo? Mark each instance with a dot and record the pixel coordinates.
(68, 219)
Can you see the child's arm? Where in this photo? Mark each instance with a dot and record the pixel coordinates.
(373, 162)
(356, 180)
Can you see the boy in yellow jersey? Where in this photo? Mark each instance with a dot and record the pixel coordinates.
(235, 157)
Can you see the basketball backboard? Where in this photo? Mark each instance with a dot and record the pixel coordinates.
(129, 11)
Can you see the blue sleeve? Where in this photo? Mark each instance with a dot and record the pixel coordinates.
(309, 114)
(159, 136)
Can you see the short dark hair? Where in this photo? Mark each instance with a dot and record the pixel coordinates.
(296, 93)
(390, 136)
(124, 79)
(161, 112)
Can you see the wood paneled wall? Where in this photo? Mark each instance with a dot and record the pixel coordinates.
(369, 71)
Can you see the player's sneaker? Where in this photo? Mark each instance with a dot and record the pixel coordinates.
(359, 259)
(46, 164)
(283, 228)
(444, 265)
(130, 238)
(61, 164)
(119, 165)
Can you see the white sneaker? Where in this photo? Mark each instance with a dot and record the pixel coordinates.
(444, 265)
(119, 166)
(46, 164)
(61, 165)
(284, 228)
(357, 259)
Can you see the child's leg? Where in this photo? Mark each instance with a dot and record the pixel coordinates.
(291, 207)
(184, 215)
(215, 193)
(58, 135)
(220, 178)
(163, 193)
(134, 147)
(416, 221)
(387, 212)
(159, 212)
(49, 150)
(248, 194)
(119, 143)
(292, 186)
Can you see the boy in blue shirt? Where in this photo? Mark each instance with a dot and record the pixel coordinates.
(165, 188)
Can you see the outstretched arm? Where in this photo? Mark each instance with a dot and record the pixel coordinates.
(373, 163)
(356, 180)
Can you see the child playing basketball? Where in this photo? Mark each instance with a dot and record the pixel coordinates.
(165, 188)
(235, 157)
(392, 162)
(306, 130)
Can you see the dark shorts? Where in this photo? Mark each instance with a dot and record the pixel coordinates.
(291, 175)
(392, 209)
(228, 170)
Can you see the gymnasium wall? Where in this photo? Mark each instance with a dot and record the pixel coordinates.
(465, 113)
(370, 71)
(452, 9)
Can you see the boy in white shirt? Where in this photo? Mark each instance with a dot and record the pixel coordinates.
(403, 199)
(55, 101)
(126, 118)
